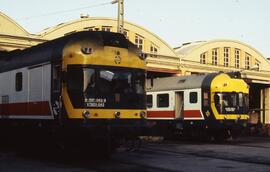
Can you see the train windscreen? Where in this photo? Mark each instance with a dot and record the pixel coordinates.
(231, 103)
(106, 87)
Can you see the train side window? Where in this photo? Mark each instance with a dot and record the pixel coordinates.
(163, 100)
(18, 81)
(205, 99)
(149, 100)
(193, 97)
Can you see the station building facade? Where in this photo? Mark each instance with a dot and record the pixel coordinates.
(13, 36)
(163, 60)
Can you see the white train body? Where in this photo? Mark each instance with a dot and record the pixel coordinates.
(27, 91)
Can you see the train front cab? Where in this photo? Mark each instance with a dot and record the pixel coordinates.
(103, 84)
(225, 103)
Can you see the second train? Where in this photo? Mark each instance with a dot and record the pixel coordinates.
(213, 105)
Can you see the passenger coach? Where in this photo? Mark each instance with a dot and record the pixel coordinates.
(214, 103)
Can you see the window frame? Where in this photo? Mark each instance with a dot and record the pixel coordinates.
(203, 58)
(153, 50)
(237, 58)
(139, 42)
(247, 60)
(257, 63)
(193, 97)
(167, 98)
(226, 54)
(215, 56)
(18, 81)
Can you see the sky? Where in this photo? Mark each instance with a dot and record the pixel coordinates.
(175, 21)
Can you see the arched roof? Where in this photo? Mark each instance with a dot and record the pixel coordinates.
(85, 23)
(10, 27)
(186, 48)
(192, 50)
(192, 46)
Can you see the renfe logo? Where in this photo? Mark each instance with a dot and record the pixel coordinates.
(117, 58)
(230, 109)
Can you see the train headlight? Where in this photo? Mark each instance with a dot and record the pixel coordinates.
(117, 115)
(87, 50)
(86, 114)
(143, 114)
(143, 56)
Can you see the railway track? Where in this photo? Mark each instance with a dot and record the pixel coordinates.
(156, 156)
(259, 153)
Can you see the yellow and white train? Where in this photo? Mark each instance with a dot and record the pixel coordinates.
(92, 80)
(216, 103)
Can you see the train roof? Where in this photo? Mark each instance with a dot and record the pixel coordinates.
(107, 38)
(177, 82)
(52, 50)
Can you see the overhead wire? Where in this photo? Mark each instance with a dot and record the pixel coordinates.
(64, 11)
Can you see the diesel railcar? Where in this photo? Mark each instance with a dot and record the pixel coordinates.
(215, 103)
(85, 81)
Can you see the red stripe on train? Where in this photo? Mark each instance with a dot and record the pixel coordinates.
(192, 114)
(160, 114)
(41, 108)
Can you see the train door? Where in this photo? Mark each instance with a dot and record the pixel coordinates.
(56, 89)
(39, 91)
(192, 104)
(179, 104)
(35, 90)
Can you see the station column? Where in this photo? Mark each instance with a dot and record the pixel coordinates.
(266, 109)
